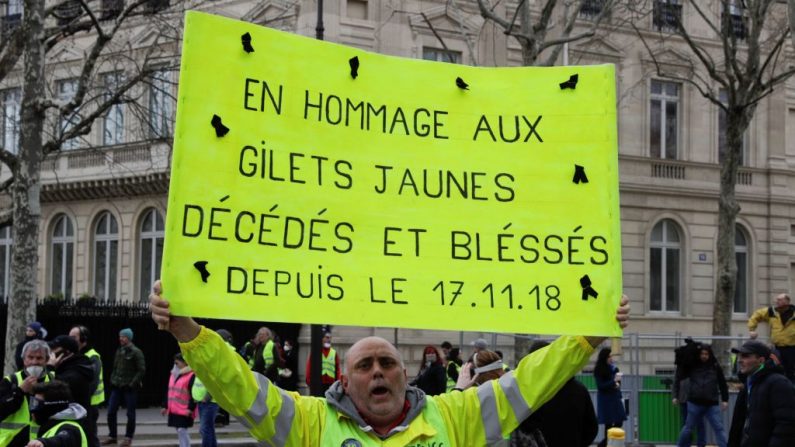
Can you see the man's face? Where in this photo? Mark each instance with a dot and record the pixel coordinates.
(781, 302)
(375, 380)
(750, 363)
(75, 333)
(124, 341)
(327, 339)
(34, 358)
(703, 355)
(30, 332)
(262, 336)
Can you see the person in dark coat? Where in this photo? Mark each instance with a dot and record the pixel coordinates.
(764, 415)
(566, 420)
(609, 403)
(288, 376)
(57, 416)
(33, 331)
(707, 384)
(75, 370)
(432, 377)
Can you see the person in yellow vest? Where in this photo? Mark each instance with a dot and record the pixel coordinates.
(16, 391)
(372, 404)
(454, 363)
(267, 359)
(54, 410)
(781, 318)
(330, 367)
(82, 335)
(180, 406)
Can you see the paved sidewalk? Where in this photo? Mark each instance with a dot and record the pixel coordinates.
(151, 430)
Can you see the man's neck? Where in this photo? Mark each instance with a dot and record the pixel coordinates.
(386, 427)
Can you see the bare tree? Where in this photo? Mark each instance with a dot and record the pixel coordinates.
(792, 21)
(549, 28)
(101, 31)
(744, 67)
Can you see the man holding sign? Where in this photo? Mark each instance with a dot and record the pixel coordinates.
(394, 193)
(372, 403)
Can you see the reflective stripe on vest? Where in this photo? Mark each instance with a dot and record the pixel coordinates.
(179, 394)
(450, 381)
(99, 394)
(329, 363)
(54, 431)
(20, 419)
(267, 354)
(343, 431)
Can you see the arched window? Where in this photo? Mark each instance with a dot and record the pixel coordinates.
(62, 250)
(151, 242)
(106, 255)
(665, 275)
(742, 288)
(6, 244)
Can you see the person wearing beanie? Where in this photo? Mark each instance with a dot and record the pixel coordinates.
(126, 380)
(33, 331)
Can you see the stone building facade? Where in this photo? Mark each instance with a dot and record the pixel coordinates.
(104, 199)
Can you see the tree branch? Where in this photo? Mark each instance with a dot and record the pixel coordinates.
(9, 159)
(11, 51)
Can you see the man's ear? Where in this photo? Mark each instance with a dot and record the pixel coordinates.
(344, 380)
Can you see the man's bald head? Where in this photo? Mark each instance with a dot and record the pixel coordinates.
(375, 380)
(369, 342)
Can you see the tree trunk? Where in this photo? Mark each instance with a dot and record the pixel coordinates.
(728, 208)
(792, 21)
(25, 190)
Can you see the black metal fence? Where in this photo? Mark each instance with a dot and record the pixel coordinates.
(106, 320)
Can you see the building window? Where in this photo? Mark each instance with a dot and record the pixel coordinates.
(151, 242)
(665, 275)
(9, 126)
(356, 9)
(664, 124)
(62, 257)
(106, 255)
(591, 9)
(12, 18)
(66, 91)
(667, 15)
(161, 104)
(742, 287)
(6, 245)
(438, 55)
(734, 19)
(722, 140)
(113, 121)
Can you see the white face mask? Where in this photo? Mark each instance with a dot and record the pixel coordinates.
(287, 348)
(430, 358)
(326, 345)
(34, 371)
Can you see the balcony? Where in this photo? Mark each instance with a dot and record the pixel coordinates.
(590, 9)
(67, 11)
(9, 23)
(738, 25)
(666, 16)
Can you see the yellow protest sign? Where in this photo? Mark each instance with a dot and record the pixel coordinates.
(317, 183)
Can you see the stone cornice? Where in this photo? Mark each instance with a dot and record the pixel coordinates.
(122, 187)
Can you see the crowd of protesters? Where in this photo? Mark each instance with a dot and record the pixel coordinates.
(53, 398)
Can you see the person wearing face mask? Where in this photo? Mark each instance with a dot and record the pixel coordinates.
(288, 376)
(33, 331)
(16, 391)
(432, 377)
(57, 416)
(330, 369)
